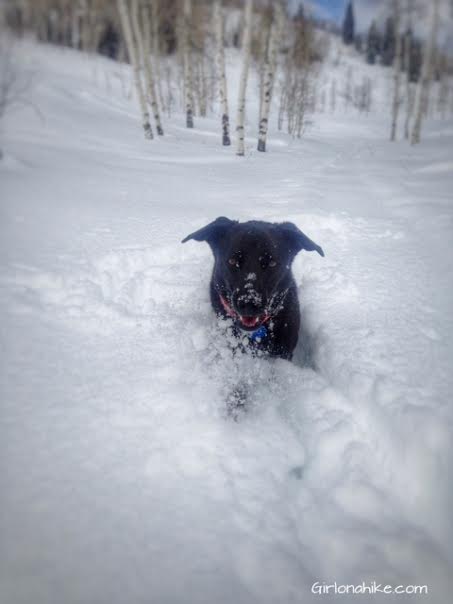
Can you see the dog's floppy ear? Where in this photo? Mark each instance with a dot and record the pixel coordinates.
(212, 232)
(298, 240)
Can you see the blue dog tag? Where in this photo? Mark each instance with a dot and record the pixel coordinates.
(259, 334)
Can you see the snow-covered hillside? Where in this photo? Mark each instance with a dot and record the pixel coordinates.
(121, 477)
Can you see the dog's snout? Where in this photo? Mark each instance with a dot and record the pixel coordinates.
(249, 303)
(247, 308)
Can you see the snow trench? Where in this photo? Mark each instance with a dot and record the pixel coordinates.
(322, 476)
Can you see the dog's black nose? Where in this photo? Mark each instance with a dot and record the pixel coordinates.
(248, 307)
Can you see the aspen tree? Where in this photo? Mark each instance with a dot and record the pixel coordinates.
(261, 52)
(218, 27)
(246, 48)
(333, 96)
(154, 5)
(188, 79)
(397, 69)
(85, 19)
(133, 56)
(347, 93)
(422, 91)
(442, 93)
(201, 86)
(283, 104)
(204, 83)
(298, 91)
(75, 27)
(407, 64)
(144, 48)
(269, 74)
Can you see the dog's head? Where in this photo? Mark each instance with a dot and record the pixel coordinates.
(252, 270)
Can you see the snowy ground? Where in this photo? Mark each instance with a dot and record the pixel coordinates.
(121, 478)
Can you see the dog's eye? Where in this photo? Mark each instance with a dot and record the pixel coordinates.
(234, 262)
(272, 264)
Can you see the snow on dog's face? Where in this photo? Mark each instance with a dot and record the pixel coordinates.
(252, 265)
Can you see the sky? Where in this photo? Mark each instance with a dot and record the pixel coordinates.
(367, 10)
(364, 10)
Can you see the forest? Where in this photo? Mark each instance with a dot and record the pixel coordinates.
(177, 51)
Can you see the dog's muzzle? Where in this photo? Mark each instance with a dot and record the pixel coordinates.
(246, 313)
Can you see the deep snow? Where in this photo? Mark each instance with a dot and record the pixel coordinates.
(122, 479)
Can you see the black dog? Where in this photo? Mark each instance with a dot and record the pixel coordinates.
(252, 283)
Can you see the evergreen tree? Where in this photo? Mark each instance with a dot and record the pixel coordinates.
(373, 47)
(388, 43)
(349, 25)
(300, 14)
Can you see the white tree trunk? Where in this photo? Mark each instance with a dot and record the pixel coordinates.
(397, 68)
(133, 56)
(442, 97)
(188, 79)
(246, 44)
(407, 64)
(156, 50)
(283, 102)
(75, 27)
(333, 96)
(85, 19)
(409, 91)
(144, 47)
(269, 74)
(263, 39)
(201, 87)
(218, 28)
(421, 96)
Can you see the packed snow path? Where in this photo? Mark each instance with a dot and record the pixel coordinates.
(121, 478)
